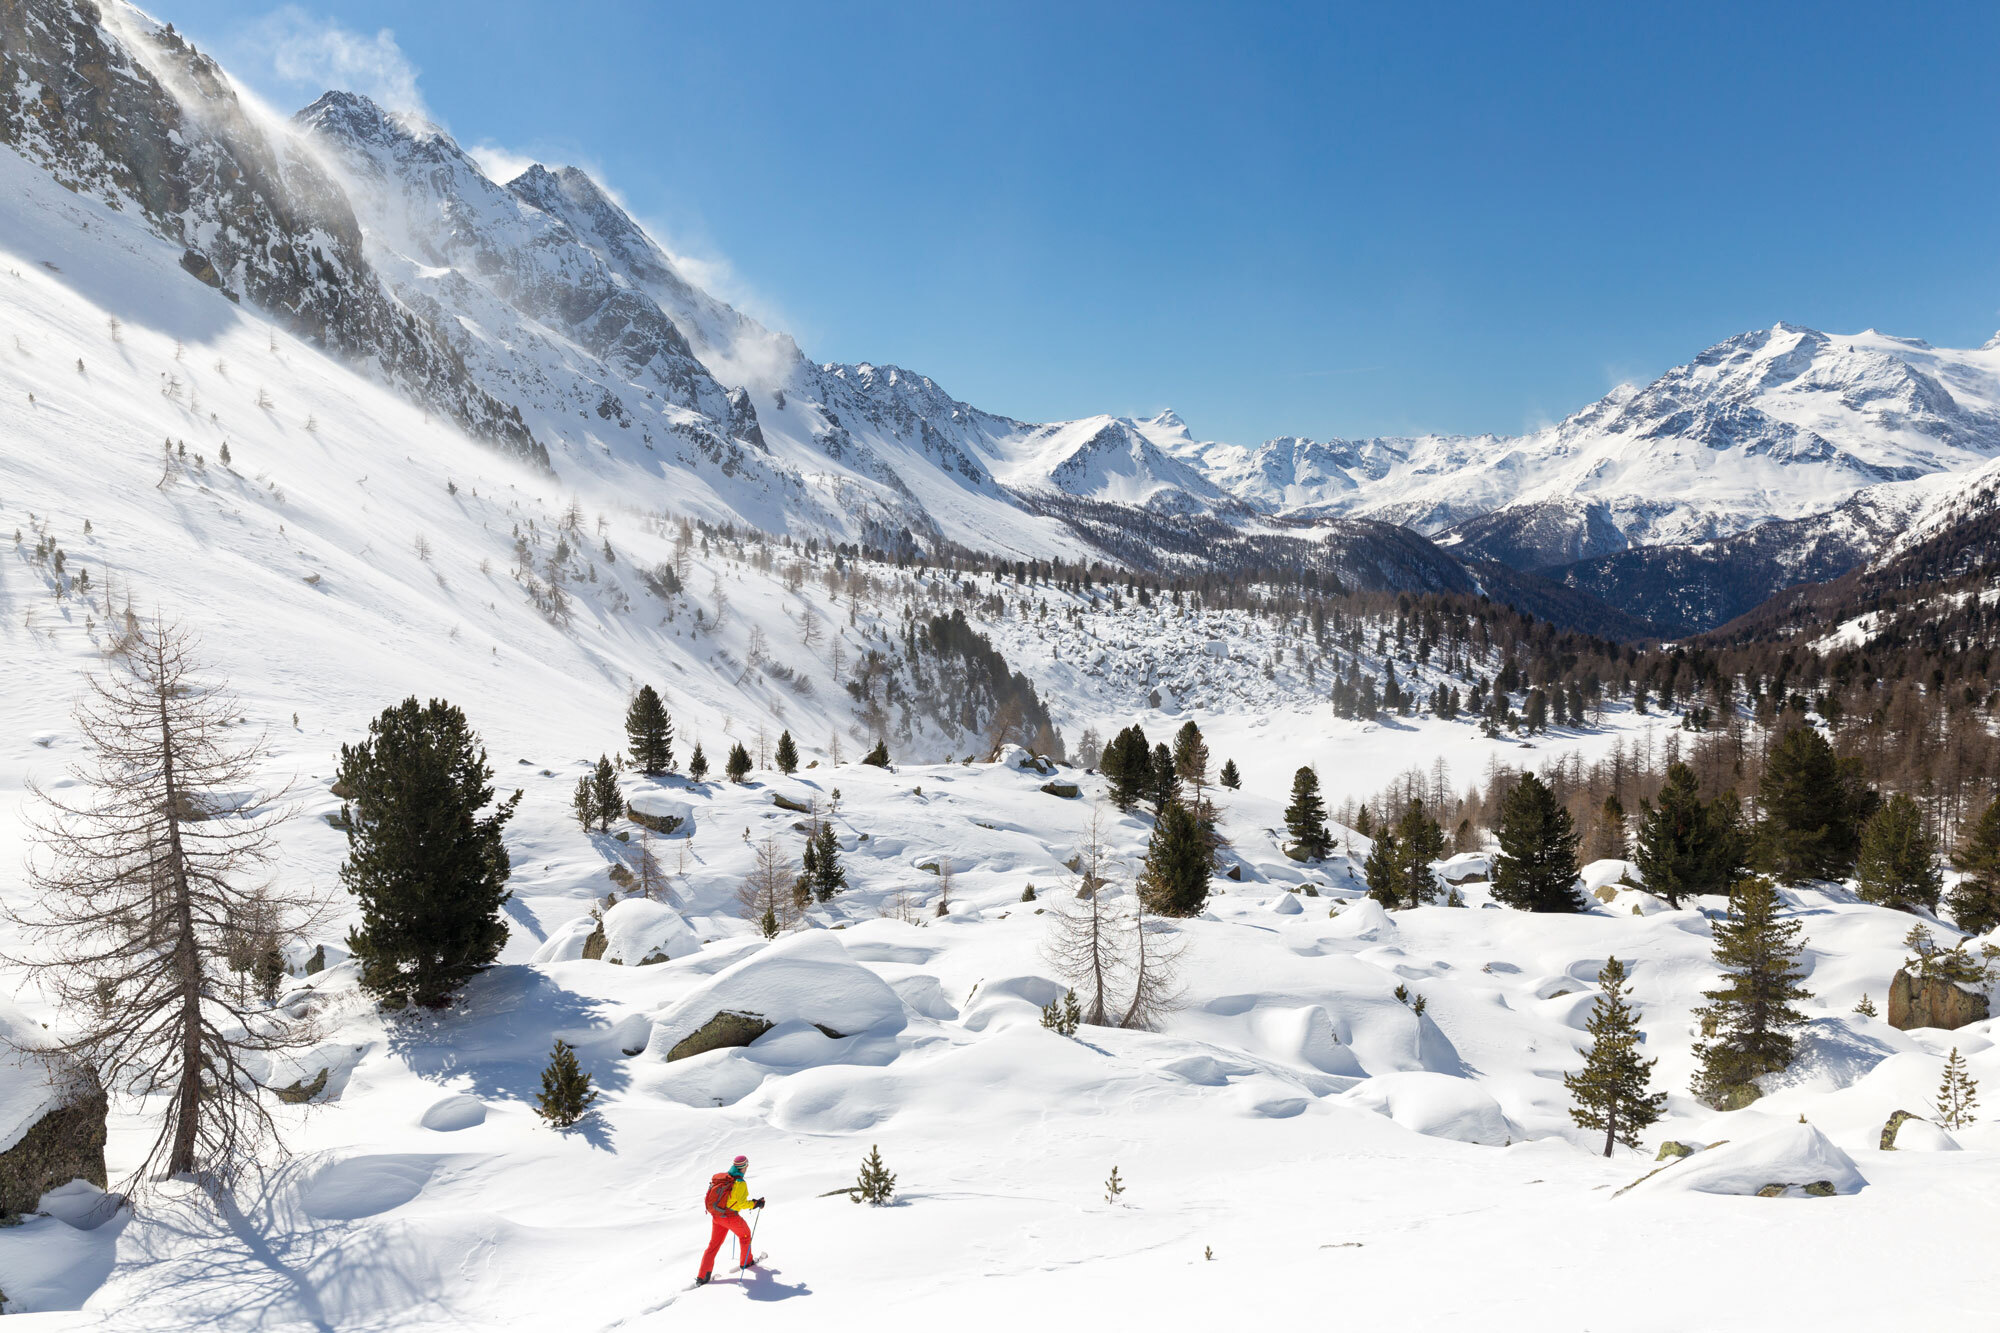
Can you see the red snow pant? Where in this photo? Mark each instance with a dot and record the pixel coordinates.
(724, 1224)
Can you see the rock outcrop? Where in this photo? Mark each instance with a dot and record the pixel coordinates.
(1931, 1002)
(64, 1142)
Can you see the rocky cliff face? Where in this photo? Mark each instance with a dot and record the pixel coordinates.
(119, 108)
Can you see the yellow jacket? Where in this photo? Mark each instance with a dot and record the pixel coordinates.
(739, 1197)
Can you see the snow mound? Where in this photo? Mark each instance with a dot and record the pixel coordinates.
(807, 978)
(1436, 1104)
(462, 1111)
(1305, 1036)
(1287, 904)
(29, 1088)
(1794, 1156)
(565, 943)
(1364, 919)
(639, 930)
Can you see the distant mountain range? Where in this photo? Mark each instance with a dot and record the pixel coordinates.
(539, 316)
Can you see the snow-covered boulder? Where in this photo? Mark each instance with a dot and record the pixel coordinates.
(459, 1111)
(1305, 1036)
(807, 977)
(1287, 904)
(639, 931)
(1466, 867)
(1794, 1160)
(1436, 1104)
(51, 1123)
(660, 812)
(1362, 919)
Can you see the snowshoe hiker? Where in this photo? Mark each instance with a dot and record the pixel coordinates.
(728, 1198)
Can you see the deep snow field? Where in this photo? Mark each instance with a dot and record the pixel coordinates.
(1342, 1159)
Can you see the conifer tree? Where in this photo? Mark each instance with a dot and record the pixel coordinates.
(875, 1185)
(879, 756)
(1164, 789)
(566, 1094)
(1610, 1089)
(788, 754)
(649, 733)
(1305, 817)
(1958, 1095)
(1536, 868)
(1898, 866)
(1687, 845)
(1128, 767)
(605, 799)
(584, 802)
(1752, 1012)
(1230, 777)
(1175, 879)
(1399, 868)
(1813, 807)
(1191, 758)
(825, 876)
(698, 763)
(738, 766)
(427, 867)
(1063, 1016)
(1975, 899)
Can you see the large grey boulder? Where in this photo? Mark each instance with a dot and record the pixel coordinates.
(1932, 1002)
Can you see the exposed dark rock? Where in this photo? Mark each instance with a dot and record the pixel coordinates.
(66, 1144)
(1066, 790)
(784, 802)
(1892, 1126)
(301, 1091)
(725, 1029)
(661, 824)
(1674, 1148)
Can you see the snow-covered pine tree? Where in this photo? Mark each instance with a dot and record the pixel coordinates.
(1610, 1089)
(566, 1094)
(1752, 1012)
(649, 733)
(1305, 817)
(1536, 868)
(787, 756)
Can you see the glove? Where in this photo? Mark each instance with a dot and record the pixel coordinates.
(758, 1202)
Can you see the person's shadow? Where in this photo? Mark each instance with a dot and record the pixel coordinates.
(761, 1284)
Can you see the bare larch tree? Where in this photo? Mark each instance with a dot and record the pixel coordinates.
(1083, 942)
(147, 878)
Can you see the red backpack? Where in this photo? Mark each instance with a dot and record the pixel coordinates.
(717, 1198)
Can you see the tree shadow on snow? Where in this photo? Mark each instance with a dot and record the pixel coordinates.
(496, 1038)
(260, 1261)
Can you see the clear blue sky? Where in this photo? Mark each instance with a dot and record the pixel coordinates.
(1314, 219)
